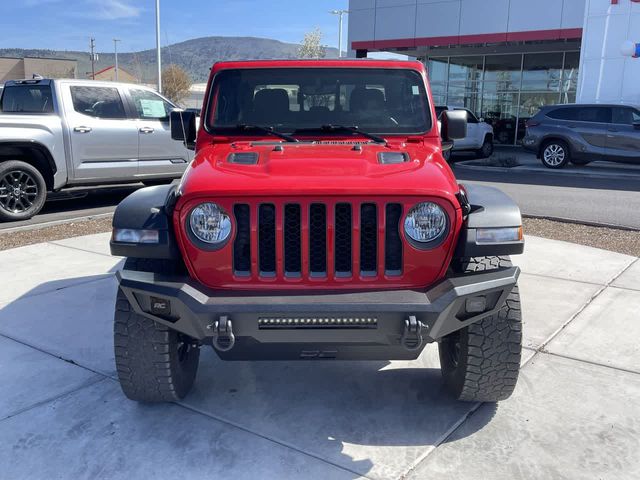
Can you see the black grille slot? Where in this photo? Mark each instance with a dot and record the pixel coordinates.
(318, 239)
(267, 239)
(343, 228)
(292, 258)
(242, 243)
(368, 239)
(392, 240)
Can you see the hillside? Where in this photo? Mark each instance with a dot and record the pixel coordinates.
(196, 55)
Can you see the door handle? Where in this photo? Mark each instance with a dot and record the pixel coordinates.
(82, 129)
(613, 130)
(146, 130)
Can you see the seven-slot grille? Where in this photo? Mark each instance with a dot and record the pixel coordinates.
(363, 239)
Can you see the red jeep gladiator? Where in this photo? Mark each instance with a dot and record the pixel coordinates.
(318, 220)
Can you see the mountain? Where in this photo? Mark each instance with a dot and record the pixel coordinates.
(195, 56)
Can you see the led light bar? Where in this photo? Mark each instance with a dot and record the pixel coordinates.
(317, 322)
(131, 235)
(488, 236)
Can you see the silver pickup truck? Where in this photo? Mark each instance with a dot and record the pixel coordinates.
(63, 133)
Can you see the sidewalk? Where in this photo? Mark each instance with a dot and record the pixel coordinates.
(574, 413)
(526, 161)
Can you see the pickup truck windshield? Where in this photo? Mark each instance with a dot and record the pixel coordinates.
(27, 98)
(382, 101)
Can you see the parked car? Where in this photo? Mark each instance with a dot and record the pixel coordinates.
(582, 133)
(506, 131)
(479, 137)
(298, 236)
(62, 133)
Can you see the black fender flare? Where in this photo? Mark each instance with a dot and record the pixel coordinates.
(487, 207)
(149, 208)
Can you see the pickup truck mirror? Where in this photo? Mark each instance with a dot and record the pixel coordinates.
(183, 127)
(636, 125)
(453, 125)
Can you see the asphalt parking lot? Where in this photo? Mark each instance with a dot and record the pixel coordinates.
(574, 414)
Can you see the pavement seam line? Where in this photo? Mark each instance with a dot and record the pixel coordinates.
(269, 439)
(440, 440)
(87, 384)
(106, 276)
(543, 345)
(591, 362)
(562, 278)
(54, 242)
(67, 360)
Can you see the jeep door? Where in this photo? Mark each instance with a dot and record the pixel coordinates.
(158, 154)
(104, 141)
(623, 135)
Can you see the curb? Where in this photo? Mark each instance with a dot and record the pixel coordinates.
(525, 169)
(581, 222)
(39, 226)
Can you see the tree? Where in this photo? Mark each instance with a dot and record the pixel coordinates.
(311, 46)
(175, 83)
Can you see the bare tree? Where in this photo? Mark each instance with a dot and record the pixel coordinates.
(175, 83)
(311, 45)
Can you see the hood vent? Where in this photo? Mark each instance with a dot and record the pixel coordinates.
(243, 158)
(389, 158)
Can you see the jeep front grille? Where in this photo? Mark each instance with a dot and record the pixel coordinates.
(318, 240)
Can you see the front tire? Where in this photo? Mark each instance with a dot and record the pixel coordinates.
(23, 191)
(487, 148)
(481, 362)
(555, 154)
(154, 363)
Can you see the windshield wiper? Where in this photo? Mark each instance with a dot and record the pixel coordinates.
(354, 129)
(269, 130)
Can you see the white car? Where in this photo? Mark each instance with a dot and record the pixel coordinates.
(479, 137)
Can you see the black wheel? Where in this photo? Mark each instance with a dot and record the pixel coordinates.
(555, 154)
(23, 191)
(480, 363)
(154, 363)
(487, 148)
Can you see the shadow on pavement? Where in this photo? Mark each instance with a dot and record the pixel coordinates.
(378, 416)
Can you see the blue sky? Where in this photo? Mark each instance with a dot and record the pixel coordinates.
(68, 24)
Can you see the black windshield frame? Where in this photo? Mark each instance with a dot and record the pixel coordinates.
(396, 84)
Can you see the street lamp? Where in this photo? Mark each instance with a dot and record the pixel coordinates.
(340, 13)
(159, 60)
(115, 51)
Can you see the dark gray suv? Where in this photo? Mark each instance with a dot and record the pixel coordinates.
(579, 134)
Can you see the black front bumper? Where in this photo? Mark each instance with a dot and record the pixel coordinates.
(377, 325)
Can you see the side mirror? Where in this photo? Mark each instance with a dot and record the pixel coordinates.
(453, 125)
(183, 128)
(481, 120)
(636, 125)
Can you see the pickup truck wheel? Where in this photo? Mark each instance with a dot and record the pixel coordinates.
(487, 148)
(154, 363)
(480, 363)
(23, 191)
(555, 154)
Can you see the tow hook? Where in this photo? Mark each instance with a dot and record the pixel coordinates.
(223, 337)
(412, 336)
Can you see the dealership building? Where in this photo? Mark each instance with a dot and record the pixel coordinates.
(503, 59)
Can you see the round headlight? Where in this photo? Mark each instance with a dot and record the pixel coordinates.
(426, 222)
(210, 223)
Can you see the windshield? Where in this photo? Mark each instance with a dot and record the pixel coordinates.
(303, 99)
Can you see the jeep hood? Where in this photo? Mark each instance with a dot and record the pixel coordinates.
(324, 168)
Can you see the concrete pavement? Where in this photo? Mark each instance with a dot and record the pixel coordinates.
(574, 413)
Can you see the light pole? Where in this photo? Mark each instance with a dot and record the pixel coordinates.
(159, 60)
(340, 13)
(115, 50)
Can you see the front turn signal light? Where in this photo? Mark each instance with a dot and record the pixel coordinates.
(487, 236)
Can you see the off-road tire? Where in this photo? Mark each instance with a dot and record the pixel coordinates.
(32, 190)
(487, 148)
(480, 363)
(154, 363)
(558, 146)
